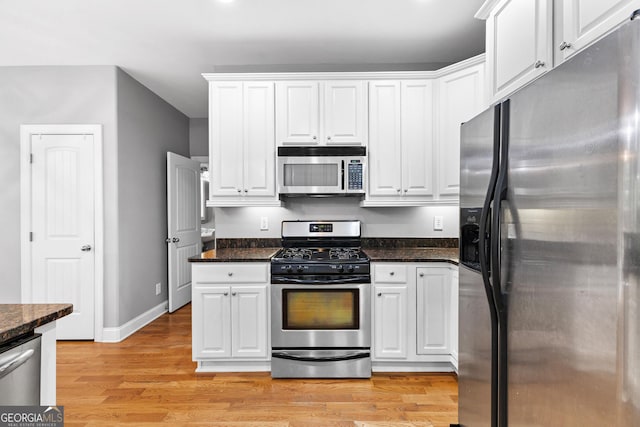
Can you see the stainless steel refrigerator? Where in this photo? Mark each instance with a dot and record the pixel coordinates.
(550, 247)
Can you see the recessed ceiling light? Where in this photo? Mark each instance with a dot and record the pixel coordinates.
(226, 1)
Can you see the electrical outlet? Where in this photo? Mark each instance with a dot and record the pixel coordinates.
(264, 223)
(158, 288)
(438, 223)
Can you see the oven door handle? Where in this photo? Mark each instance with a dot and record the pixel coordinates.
(309, 357)
(337, 281)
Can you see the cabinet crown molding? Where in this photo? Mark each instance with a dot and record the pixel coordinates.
(485, 9)
(369, 75)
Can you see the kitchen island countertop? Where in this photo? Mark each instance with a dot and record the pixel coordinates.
(19, 319)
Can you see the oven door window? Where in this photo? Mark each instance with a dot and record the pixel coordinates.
(320, 309)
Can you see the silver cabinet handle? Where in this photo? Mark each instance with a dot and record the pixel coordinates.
(85, 248)
(230, 273)
(328, 138)
(538, 64)
(379, 294)
(246, 191)
(226, 293)
(406, 189)
(398, 190)
(234, 293)
(565, 45)
(421, 274)
(314, 137)
(392, 273)
(175, 239)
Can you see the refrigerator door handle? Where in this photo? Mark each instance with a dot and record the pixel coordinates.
(485, 239)
(495, 257)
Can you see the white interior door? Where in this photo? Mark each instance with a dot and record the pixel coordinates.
(63, 228)
(183, 238)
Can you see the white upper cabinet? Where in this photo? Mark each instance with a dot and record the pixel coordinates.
(460, 98)
(385, 155)
(298, 113)
(519, 44)
(241, 144)
(321, 112)
(400, 142)
(525, 39)
(584, 21)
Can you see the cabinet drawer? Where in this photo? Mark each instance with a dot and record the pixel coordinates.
(389, 273)
(231, 273)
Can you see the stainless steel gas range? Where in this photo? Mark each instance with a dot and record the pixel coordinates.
(320, 302)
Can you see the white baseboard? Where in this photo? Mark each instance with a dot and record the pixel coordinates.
(120, 333)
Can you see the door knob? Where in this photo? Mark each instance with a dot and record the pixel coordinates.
(85, 248)
(175, 239)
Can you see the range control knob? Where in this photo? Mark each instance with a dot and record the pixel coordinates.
(289, 269)
(300, 269)
(350, 269)
(340, 269)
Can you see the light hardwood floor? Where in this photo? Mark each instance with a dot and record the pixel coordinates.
(149, 379)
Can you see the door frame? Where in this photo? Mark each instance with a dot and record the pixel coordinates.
(26, 131)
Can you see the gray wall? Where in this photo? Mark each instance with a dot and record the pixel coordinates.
(148, 127)
(138, 129)
(376, 222)
(51, 95)
(199, 137)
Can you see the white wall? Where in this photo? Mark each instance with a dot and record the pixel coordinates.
(376, 222)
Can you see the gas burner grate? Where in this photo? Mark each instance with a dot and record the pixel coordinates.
(344, 253)
(297, 253)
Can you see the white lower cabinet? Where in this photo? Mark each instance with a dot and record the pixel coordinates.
(433, 290)
(230, 316)
(414, 317)
(390, 302)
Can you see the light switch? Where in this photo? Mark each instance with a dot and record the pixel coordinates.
(264, 223)
(438, 223)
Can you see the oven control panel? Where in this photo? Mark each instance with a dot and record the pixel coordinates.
(319, 268)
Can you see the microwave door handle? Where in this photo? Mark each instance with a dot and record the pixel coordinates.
(342, 177)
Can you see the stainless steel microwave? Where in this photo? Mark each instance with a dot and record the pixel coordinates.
(321, 171)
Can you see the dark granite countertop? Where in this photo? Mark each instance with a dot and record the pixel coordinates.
(415, 254)
(19, 319)
(236, 255)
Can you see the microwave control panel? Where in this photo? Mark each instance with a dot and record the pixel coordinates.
(355, 175)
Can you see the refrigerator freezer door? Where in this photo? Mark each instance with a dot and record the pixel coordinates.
(474, 357)
(562, 236)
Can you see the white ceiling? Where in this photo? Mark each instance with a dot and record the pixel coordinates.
(167, 44)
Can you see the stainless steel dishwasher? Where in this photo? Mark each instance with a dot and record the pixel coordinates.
(20, 372)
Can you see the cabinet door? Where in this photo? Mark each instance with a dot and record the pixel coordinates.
(460, 98)
(519, 44)
(297, 113)
(259, 139)
(390, 322)
(211, 322)
(385, 156)
(344, 112)
(249, 321)
(225, 139)
(417, 137)
(584, 21)
(433, 316)
(453, 327)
